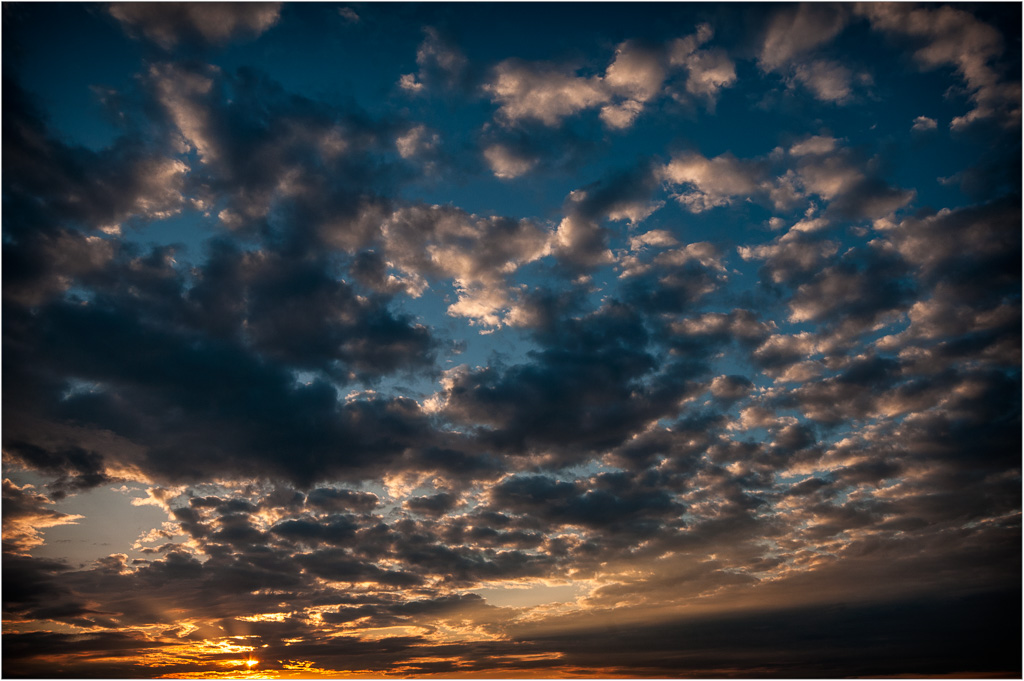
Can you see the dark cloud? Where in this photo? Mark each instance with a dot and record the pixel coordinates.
(330, 499)
(609, 500)
(441, 365)
(592, 384)
(434, 505)
(172, 23)
(908, 636)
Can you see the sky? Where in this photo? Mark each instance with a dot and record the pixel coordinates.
(511, 340)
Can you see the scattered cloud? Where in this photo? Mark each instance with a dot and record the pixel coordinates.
(953, 37)
(923, 123)
(645, 330)
(170, 23)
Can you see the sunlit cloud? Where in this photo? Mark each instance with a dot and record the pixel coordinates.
(381, 341)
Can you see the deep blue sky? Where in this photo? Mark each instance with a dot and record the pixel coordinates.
(511, 339)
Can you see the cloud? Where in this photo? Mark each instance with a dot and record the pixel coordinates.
(829, 81)
(544, 93)
(794, 31)
(445, 242)
(713, 182)
(794, 35)
(416, 141)
(440, 64)
(505, 163)
(171, 23)
(598, 372)
(434, 505)
(816, 145)
(836, 176)
(349, 15)
(25, 514)
(635, 77)
(709, 71)
(422, 409)
(605, 501)
(133, 181)
(235, 337)
(818, 169)
(791, 257)
(954, 37)
(923, 123)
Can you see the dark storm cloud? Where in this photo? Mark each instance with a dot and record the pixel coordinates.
(234, 317)
(581, 240)
(433, 505)
(291, 169)
(339, 565)
(908, 636)
(74, 468)
(336, 530)
(592, 383)
(299, 312)
(674, 282)
(607, 501)
(244, 411)
(53, 190)
(329, 499)
(51, 183)
(972, 249)
(452, 607)
(855, 291)
(34, 583)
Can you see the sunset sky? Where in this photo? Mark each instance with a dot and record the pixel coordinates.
(511, 340)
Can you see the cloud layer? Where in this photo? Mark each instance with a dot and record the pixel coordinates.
(476, 357)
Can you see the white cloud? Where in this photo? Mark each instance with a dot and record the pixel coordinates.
(955, 37)
(417, 140)
(179, 90)
(795, 31)
(635, 73)
(634, 211)
(506, 163)
(409, 83)
(621, 116)
(655, 237)
(438, 61)
(528, 91)
(793, 35)
(635, 76)
(829, 176)
(476, 253)
(708, 70)
(816, 145)
(712, 182)
(829, 81)
(923, 123)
